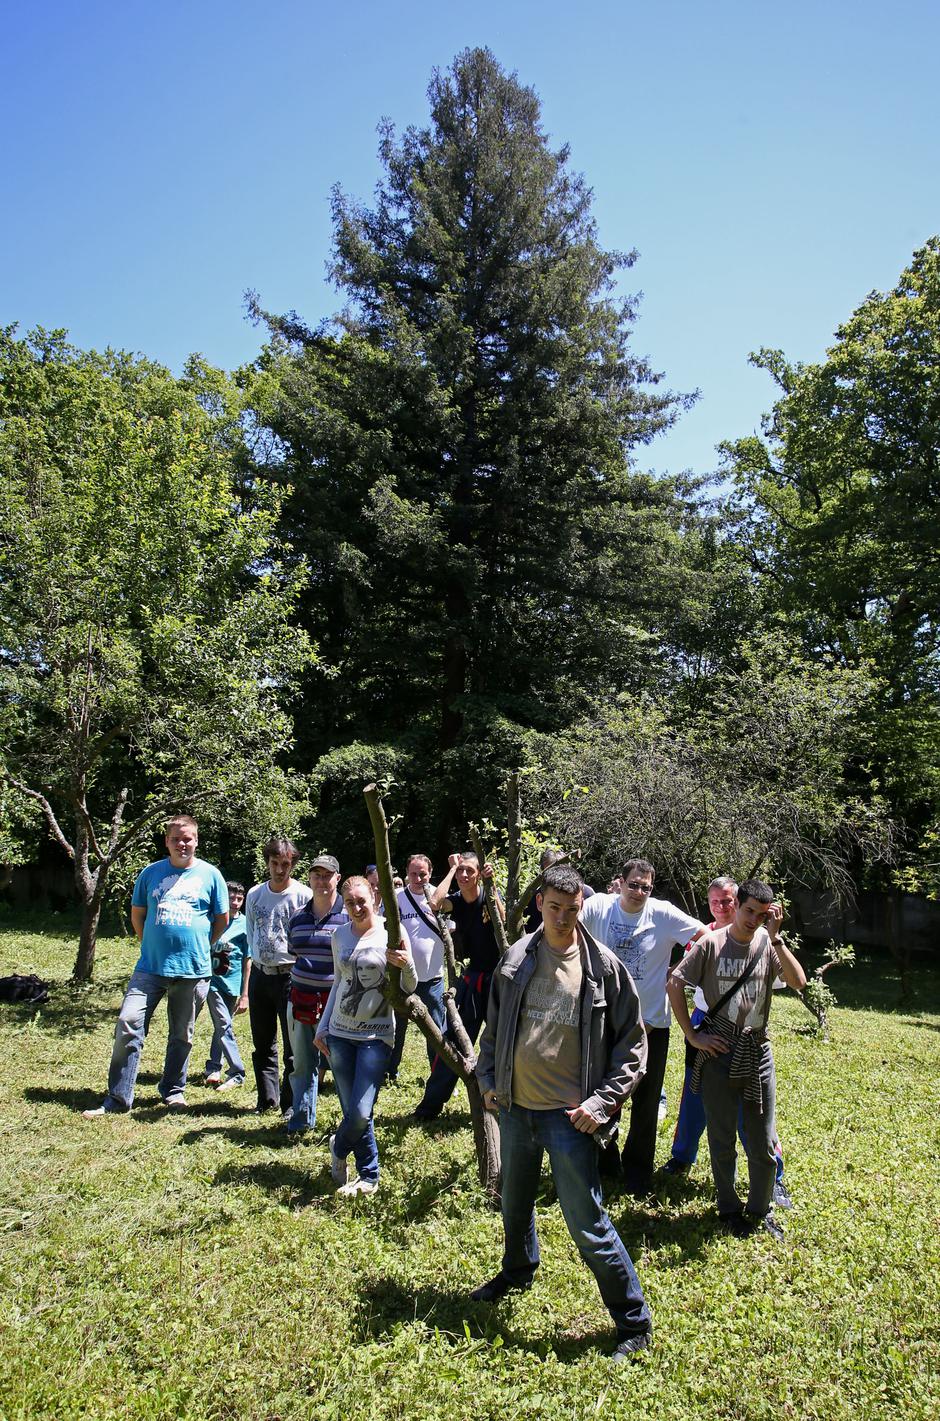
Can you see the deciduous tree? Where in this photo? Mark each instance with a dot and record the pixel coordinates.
(146, 646)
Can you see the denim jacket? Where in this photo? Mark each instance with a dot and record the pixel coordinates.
(613, 1042)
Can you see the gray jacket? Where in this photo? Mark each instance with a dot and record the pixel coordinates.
(613, 1042)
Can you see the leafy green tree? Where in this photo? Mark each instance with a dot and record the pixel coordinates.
(840, 496)
(461, 443)
(146, 645)
(756, 780)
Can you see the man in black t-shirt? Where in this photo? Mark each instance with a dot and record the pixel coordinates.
(479, 947)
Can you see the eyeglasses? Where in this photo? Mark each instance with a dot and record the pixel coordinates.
(635, 887)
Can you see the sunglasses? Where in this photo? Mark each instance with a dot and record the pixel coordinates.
(636, 887)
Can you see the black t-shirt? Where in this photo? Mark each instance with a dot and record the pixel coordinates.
(477, 939)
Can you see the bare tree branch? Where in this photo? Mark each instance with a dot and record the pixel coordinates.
(46, 808)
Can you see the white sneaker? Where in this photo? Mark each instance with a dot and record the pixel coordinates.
(95, 1114)
(176, 1102)
(214, 1078)
(358, 1186)
(231, 1083)
(337, 1166)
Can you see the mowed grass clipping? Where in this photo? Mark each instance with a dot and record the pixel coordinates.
(152, 1266)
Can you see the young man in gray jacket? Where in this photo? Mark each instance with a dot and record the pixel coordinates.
(563, 1048)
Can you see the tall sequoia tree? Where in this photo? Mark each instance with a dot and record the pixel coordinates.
(842, 494)
(484, 554)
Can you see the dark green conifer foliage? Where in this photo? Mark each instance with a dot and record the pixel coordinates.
(459, 440)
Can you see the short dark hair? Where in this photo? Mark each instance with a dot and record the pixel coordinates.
(234, 887)
(638, 866)
(563, 878)
(277, 845)
(756, 889)
(424, 859)
(469, 856)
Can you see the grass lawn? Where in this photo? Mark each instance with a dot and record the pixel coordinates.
(200, 1267)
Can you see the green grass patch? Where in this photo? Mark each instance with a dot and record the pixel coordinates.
(201, 1268)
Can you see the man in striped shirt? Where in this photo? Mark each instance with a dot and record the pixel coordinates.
(309, 940)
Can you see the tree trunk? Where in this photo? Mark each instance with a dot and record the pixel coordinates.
(91, 886)
(513, 843)
(88, 937)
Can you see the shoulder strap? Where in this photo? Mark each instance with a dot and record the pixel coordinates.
(736, 986)
(428, 923)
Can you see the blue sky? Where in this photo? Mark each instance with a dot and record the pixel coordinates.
(772, 164)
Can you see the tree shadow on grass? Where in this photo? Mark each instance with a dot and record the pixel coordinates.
(72, 1097)
(299, 1185)
(398, 1126)
(874, 984)
(383, 1305)
(72, 1007)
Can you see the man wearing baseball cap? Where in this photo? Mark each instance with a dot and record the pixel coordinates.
(310, 941)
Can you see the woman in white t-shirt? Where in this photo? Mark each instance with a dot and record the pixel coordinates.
(357, 1031)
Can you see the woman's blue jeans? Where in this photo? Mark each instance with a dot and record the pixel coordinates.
(359, 1069)
(524, 1136)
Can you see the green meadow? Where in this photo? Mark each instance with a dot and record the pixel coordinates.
(200, 1267)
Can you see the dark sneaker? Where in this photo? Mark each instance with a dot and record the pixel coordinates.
(630, 1343)
(782, 1198)
(497, 1288)
(739, 1224)
(676, 1167)
(770, 1225)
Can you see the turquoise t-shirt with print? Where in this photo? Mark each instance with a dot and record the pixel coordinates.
(181, 904)
(235, 942)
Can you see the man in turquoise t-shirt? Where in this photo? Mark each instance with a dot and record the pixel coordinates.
(179, 908)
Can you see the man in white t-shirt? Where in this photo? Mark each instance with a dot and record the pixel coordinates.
(642, 932)
(269, 908)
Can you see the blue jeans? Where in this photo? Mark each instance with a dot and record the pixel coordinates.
(221, 1006)
(690, 1126)
(471, 999)
(524, 1135)
(359, 1069)
(432, 994)
(305, 1077)
(145, 991)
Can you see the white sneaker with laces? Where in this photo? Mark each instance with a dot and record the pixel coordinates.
(231, 1083)
(337, 1166)
(358, 1186)
(95, 1114)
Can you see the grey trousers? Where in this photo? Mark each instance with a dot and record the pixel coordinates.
(722, 1102)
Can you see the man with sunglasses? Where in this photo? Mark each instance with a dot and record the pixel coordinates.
(642, 932)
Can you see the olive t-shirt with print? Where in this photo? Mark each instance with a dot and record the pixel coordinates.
(717, 960)
(546, 1067)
